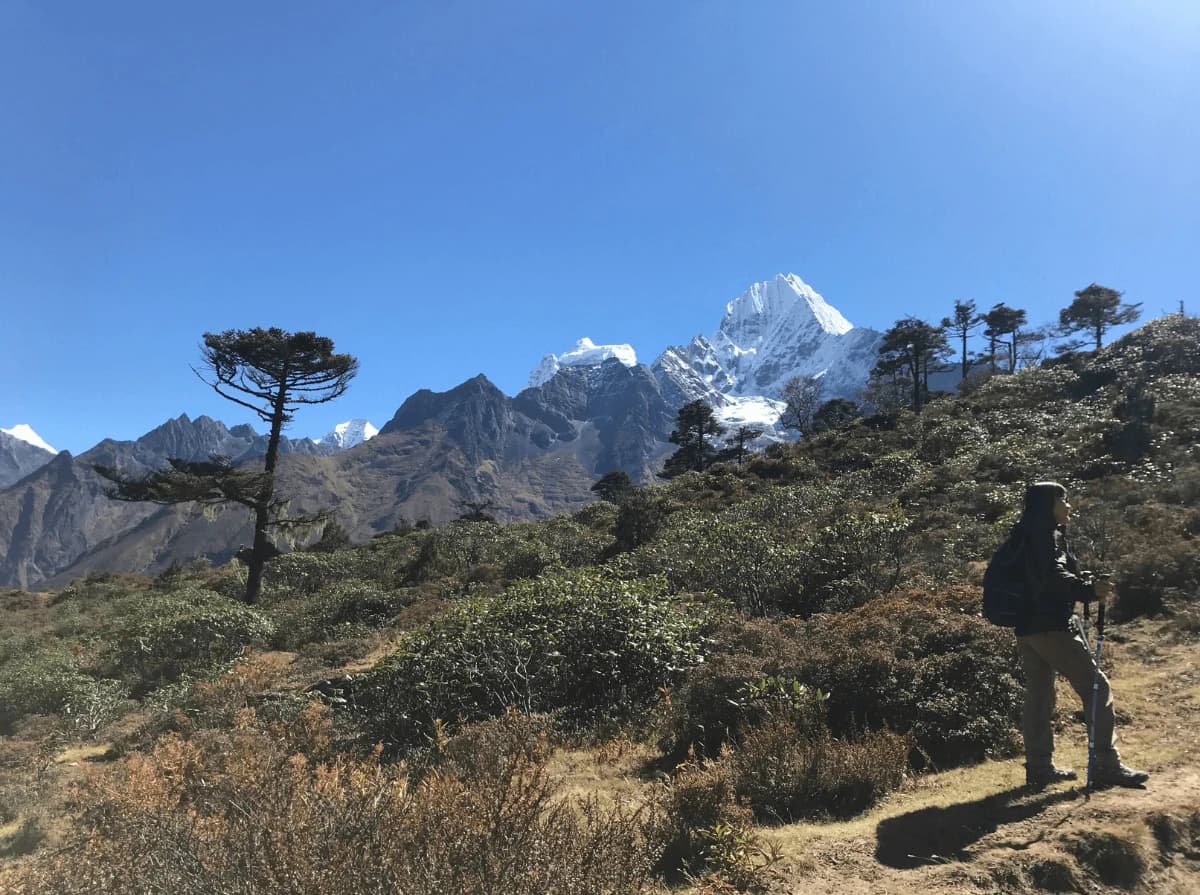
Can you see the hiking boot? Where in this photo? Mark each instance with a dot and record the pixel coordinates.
(1119, 775)
(1042, 777)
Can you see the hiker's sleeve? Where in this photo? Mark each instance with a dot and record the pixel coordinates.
(1049, 568)
(1062, 571)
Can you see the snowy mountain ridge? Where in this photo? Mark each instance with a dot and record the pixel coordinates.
(775, 330)
(24, 432)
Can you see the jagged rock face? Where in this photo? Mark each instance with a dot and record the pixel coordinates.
(189, 439)
(775, 330)
(476, 415)
(622, 403)
(19, 458)
(687, 374)
(532, 456)
(60, 513)
(55, 515)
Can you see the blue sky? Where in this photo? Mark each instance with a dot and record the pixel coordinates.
(447, 188)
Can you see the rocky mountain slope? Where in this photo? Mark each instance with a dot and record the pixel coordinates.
(21, 452)
(530, 456)
(60, 512)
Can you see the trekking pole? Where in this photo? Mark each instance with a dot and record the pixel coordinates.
(1095, 696)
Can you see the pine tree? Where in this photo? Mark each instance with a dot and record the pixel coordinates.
(965, 320)
(736, 444)
(695, 424)
(1095, 310)
(613, 486)
(909, 348)
(1002, 321)
(268, 371)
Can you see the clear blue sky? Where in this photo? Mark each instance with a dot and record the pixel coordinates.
(447, 188)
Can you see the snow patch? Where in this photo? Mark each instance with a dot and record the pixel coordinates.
(756, 412)
(23, 432)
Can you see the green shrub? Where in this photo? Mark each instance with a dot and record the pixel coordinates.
(639, 518)
(911, 663)
(583, 643)
(853, 559)
(942, 438)
(40, 680)
(307, 573)
(1169, 572)
(747, 563)
(339, 610)
(162, 636)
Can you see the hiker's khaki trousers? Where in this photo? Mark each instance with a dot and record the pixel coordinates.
(1042, 655)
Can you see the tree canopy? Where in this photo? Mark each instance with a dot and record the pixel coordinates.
(1095, 310)
(268, 371)
(966, 318)
(1003, 321)
(695, 424)
(908, 349)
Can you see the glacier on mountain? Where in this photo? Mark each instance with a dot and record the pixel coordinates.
(24, 432)
(586, 353)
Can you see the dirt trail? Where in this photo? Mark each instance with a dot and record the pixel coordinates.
(977, 830)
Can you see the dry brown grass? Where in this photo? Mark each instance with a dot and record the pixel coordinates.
(272, 808)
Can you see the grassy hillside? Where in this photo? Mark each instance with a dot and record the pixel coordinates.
(697, 686)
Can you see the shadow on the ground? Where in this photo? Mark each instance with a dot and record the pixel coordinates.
(939, 835)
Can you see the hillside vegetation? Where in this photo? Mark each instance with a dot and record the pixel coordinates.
(645, 694)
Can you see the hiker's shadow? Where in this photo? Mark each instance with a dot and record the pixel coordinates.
(938, 835)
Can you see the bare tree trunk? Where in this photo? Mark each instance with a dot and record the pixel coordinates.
(258, 556)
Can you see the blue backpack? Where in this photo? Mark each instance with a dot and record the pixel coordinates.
(1006, 591)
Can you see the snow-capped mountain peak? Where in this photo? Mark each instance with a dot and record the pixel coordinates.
(787, 298)
(585, 353)
(25, 433)
(774, 330)
(348, 434)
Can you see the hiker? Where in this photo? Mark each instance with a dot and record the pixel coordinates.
(1050, 639)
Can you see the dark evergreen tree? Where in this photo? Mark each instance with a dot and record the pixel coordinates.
(802, 395)
(909, 348)
(1003, 321)
(613, 486)
(695, 425)
(836, 413)
(964, 321)
(268, 371)
(736, 444)
(1095, 310)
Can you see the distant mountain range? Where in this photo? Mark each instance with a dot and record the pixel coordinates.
(588, 411)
